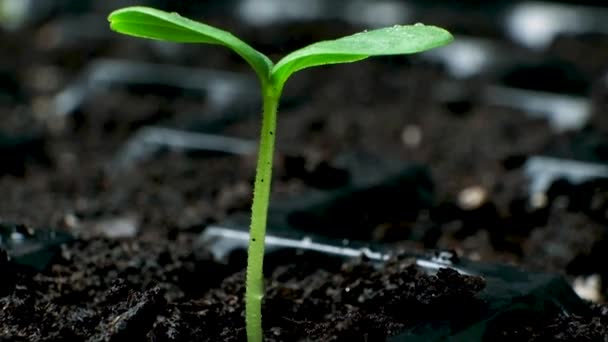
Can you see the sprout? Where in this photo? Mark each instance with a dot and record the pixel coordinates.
(396, 40)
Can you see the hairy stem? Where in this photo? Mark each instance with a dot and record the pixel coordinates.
(259, 210)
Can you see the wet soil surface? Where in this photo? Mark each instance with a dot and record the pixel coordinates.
(160, 291)
(134, 270)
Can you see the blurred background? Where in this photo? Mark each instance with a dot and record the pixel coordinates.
(106, 135)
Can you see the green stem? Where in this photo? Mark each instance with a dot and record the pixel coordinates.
(259, 210)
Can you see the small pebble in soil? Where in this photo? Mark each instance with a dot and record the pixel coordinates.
(70, 221)
(119, 227)
(589, 288)
(538, 200)
(472, 197)
(411, 135)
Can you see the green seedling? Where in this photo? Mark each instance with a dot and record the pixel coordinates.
(396, 40)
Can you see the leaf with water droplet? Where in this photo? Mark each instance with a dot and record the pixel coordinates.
(393, 40)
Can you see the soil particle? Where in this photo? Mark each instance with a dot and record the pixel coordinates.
(132, 316)
(554, 327)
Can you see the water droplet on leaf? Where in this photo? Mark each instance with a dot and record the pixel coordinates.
(418, 24)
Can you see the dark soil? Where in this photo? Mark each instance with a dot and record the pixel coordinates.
(141, 290)
(135, 271)
(559, 327)
(304, 306)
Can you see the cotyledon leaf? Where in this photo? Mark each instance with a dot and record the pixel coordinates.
(395, 40)
(399, 39)
(151, 23)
